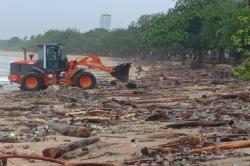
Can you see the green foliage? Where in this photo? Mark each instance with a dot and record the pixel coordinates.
(243, 71)
(167, 29)
(241, 41)
(196, 25)
(13, 44)
(70, 38)
(192, 27)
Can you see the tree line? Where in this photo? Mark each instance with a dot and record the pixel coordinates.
(195, 29)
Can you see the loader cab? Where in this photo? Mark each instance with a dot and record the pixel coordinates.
(52, 58)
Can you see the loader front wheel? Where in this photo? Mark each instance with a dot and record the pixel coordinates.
(85, 80)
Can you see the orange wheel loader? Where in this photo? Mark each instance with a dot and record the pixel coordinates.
(52, 67)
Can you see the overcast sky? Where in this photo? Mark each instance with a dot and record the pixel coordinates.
(26, 17)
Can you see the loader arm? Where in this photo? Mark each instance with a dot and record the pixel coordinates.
(120, 72)
(93, 62)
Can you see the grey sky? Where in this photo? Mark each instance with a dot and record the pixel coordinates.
(26, 17)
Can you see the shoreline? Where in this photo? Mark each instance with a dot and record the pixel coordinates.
(20, 53)
(11, 53)
(109, 61)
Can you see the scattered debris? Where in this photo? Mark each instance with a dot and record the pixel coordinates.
(76, 131)
(180, 117)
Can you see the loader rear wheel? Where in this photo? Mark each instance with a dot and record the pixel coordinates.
(31, 82)
(85, 80)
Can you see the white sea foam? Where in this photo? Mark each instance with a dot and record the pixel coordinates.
(4, 79)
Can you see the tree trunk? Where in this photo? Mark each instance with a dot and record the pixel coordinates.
(237, 58)
(221, 56)
(197, 59)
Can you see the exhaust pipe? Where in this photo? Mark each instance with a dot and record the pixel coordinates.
(25, 53)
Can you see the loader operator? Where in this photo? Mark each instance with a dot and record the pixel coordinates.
(52, 62)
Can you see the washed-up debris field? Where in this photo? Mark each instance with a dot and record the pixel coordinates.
(170, 115)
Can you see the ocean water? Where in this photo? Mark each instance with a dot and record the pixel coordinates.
(5, 66)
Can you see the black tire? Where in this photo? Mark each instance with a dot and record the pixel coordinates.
(90, 76)
(44, 87)
(37, 77)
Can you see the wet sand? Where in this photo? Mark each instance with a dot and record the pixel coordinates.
(168, 90)
(168, 93)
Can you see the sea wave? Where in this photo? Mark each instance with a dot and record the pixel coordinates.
(5, 67)
(4, 79)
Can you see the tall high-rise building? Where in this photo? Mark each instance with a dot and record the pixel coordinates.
(105, 21)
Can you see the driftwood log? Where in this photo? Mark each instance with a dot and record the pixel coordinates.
(164, 150)
(198, 123)
(75, 154)
(238, 115)
(99, 113)
(94, 119)
(72, 99)
(162, 100)
(92, 164)
(228, 137)
(225, 146)
(25, 156)
(244, 96)
(73, 114)
(58, 151)
(20, 108)
(76, 131)
(4, 157)
(165, 134)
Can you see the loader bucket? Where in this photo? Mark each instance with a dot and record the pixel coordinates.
(121, 72)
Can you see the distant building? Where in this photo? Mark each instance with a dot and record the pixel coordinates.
(105, 21)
